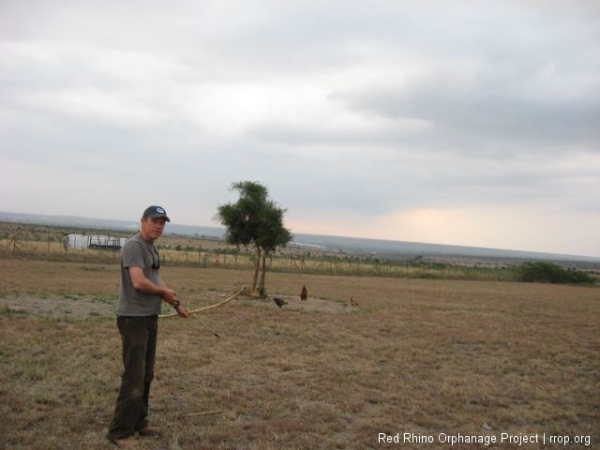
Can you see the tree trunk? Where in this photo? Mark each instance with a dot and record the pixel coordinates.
(256, 269)
(263, 276)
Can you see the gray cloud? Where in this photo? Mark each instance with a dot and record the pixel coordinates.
(488, 109)
(355, 114)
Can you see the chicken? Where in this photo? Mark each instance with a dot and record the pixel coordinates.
(303, 294)
(279, 301)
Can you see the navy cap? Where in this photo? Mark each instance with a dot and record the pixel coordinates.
(156, 211)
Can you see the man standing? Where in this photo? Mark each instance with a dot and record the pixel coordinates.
(140, 302)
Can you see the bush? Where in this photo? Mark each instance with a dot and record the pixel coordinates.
(543, 272)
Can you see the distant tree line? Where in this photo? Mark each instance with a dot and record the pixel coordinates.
(544, 272)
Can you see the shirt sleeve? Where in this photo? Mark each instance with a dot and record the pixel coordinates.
(133, 255)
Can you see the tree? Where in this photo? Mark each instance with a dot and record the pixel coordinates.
(254, 220)
(271, 234)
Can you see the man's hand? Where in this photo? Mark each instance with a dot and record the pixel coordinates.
(183, 312)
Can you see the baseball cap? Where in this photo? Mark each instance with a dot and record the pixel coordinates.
(156, 211)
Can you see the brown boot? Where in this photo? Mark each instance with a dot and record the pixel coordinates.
(150, 431)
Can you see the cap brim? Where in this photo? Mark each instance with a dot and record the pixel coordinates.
(156, 216)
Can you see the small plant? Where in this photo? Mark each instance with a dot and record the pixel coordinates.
(109, 299)
(7, 311)
(543, 272)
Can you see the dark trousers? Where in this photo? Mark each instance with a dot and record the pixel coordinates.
(138, 335)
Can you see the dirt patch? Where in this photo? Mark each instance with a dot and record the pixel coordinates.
(77, 307)
(84, 306)
(292, 302)
(312, 304)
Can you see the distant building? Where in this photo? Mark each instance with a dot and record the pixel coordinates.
(100, 241)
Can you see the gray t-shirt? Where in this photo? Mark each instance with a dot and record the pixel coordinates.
(140, 253)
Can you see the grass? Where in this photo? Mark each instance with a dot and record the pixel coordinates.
(416, 356)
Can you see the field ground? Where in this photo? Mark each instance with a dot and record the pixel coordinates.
(475, 358)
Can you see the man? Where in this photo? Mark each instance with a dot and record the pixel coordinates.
(140, 302)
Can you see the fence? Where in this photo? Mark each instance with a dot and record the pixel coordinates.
(218, 257)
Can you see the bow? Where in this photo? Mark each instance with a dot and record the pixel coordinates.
(206, 308)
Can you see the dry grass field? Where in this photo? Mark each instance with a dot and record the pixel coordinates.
(434, 358)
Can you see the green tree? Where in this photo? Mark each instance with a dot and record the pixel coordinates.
(254, 220)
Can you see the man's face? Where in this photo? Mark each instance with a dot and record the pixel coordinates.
(152, 228)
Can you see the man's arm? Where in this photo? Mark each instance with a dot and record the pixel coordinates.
(141, 283)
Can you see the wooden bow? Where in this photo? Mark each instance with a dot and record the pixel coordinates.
(205, 308)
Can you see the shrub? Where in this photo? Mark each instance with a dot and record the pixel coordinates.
(544, 272)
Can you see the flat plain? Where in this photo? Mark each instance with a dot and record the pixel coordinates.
(426, 357)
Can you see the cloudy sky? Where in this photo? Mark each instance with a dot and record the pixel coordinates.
(457, 122)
